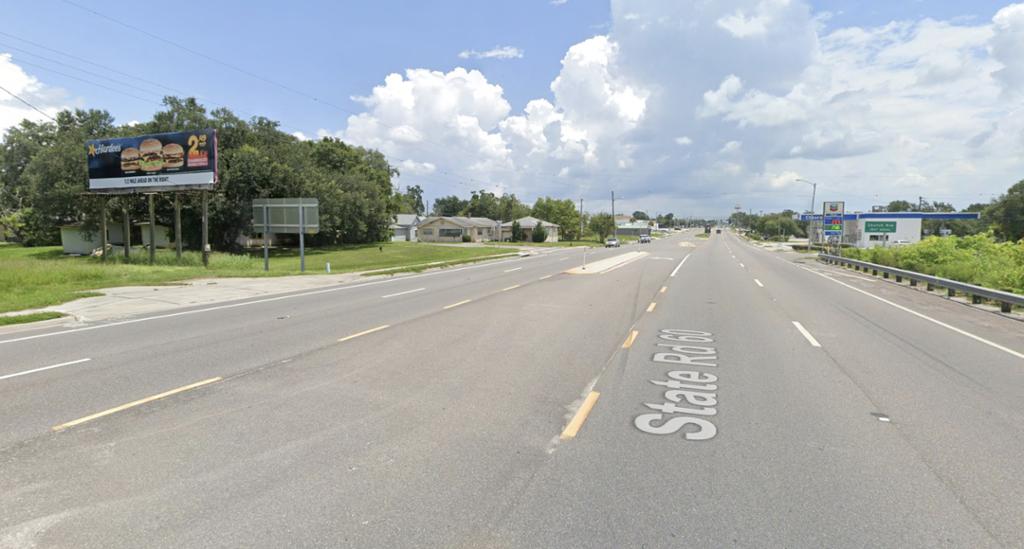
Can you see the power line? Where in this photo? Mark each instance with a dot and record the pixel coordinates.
(12, 94)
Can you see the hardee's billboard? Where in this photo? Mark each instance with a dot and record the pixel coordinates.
(163, 161)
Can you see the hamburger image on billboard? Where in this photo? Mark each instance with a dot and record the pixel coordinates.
(173, 155)
(130, 160)
(152, 155)
(164, 161)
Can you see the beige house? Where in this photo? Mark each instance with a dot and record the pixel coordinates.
(452, 229)
(527, 224)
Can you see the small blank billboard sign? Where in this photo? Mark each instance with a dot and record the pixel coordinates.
(153, 162)
(281, 215)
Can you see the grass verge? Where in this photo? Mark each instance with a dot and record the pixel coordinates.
(38, 277)
(33, 317)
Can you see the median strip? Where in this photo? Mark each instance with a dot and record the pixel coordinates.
(454, 305)
(139, 402)
(630, 339)
(364, 332)
(573, 428)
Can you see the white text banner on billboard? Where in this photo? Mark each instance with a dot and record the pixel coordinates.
(165, 161)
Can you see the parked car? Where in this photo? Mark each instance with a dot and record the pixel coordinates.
(611, 243)
(645, 239)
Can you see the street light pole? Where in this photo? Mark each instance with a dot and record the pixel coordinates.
(814, 191)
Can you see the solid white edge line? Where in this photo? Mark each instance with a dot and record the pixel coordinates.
(758, 282)
(977, 338)
(402, 293)
(545, 277)
(513, 270)
(676, 270)
(254, 302)
(44, 368)
(807, 335)
(512, 287)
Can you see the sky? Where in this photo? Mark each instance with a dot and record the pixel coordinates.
(692, 107)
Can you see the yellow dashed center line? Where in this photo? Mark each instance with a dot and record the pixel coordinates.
(454, 305)
(650, 308)
(574, 426)
(663, 289)
(630, 339)
(364, 332)
(513, 287)
(139, 402)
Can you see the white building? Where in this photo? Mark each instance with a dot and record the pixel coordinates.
(870, 229)
(404, 228)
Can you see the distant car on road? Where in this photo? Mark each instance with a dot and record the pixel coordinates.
(645, 239)
(718, 231)
(611, 243)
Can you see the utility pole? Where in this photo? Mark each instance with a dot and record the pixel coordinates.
(581, 220)
(615, 226)
(920, 203)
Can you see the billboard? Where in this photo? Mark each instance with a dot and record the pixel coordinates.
(163, 161)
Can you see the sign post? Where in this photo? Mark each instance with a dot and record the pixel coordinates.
(103, 227)
(177, 224)
(832, 221)
(152, 229)
(287, 215)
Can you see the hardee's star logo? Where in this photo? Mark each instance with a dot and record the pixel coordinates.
(92, 149)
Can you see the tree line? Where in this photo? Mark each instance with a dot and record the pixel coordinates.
(44, 177)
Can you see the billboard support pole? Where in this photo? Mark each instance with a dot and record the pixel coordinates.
(127, 229)
(302, 238)
(177, 224)
(266, 242)
(152, 229)
(206, 229)
(103, 227)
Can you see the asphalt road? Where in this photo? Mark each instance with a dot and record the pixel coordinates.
(719, 395)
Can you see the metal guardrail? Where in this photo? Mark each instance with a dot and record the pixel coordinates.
(977, 293)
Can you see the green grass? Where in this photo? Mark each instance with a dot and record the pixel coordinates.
(38, 277)
(33, 317)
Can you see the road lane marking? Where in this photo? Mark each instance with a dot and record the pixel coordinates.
(650, 308)
(977, 338)
(513, 270)
(512, 287)
(564, 259)
(758, 282)
(454, 305)
(133, 404)
(663, 289)
(742, 265)
(44, 368)
(630, 339)
(545, 277)
(573, 428)
(807, 335)
(364, 332)
(676, 270)
(339, 288)
(402, 293)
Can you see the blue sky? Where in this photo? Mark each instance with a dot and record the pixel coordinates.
(732, 108)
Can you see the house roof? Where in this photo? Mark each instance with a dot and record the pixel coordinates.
(463, 221)
(406, 220)
(529, 222)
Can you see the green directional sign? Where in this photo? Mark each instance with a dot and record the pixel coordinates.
(879, 226)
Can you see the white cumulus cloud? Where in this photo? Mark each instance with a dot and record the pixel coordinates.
(48, 99)
(696, 106)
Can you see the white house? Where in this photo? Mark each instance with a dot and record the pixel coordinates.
(405, 227)
(74, 241)
(527, 225)
(453, 229)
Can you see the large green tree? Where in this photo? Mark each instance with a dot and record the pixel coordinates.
(602, 225)
(449, 206)
(560, 212)
(1006, 214)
